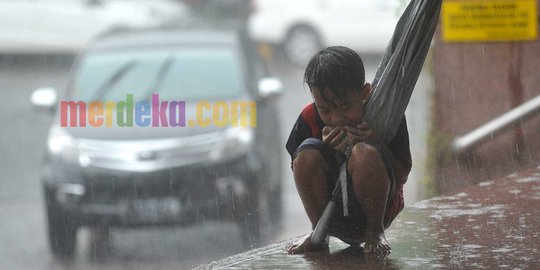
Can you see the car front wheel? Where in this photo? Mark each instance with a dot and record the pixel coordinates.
(62, 229)
(254, 219)
(301, 43)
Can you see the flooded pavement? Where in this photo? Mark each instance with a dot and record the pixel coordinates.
(493, 225)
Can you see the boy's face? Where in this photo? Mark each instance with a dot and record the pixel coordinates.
(335, 112)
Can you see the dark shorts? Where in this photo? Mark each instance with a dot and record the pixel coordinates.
(350, 229)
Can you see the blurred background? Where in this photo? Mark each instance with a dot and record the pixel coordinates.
(44, 44)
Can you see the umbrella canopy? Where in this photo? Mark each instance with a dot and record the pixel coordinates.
(400, 67)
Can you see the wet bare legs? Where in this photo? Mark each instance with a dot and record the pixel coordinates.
(371, 185)
(310, 176)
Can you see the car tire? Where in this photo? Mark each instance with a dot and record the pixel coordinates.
(275, 203)
(301, 43)
(254, 223)
(101, 245)
(62, 230)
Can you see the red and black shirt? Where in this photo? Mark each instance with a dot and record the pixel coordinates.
(309, 125)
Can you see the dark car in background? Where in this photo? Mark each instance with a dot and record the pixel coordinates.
(149, 176)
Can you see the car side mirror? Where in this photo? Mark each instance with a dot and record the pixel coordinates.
(44, 99)
(270, 87)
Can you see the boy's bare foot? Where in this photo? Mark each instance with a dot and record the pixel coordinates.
(304, 245)
(377, 245)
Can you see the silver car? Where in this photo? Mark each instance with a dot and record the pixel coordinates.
(185, 171)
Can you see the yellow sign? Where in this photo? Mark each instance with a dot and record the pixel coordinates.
(489, 20)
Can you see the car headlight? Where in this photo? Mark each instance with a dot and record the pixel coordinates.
(237, 141)
(60, 142)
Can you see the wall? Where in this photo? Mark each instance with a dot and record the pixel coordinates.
(475, 83)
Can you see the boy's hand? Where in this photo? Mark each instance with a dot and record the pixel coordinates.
(335, 138)
(362, 133)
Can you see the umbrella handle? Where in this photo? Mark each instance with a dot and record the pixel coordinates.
(318, 237)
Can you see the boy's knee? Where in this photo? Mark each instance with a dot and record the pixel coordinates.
(367, 168)
(309, 160)
(363, 152)
(364, 157)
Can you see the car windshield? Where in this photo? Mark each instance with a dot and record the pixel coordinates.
(175, 73)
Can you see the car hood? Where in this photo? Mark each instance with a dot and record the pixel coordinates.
(137, 133)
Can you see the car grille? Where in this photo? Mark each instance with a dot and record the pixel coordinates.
(190, 185)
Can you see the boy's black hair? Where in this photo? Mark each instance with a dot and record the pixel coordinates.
(337, 69)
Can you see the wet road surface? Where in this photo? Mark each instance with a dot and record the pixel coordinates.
(493, 225)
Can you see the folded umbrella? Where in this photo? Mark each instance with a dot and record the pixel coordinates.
(400, 67)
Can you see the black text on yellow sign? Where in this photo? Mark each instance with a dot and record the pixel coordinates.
(489, 20)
